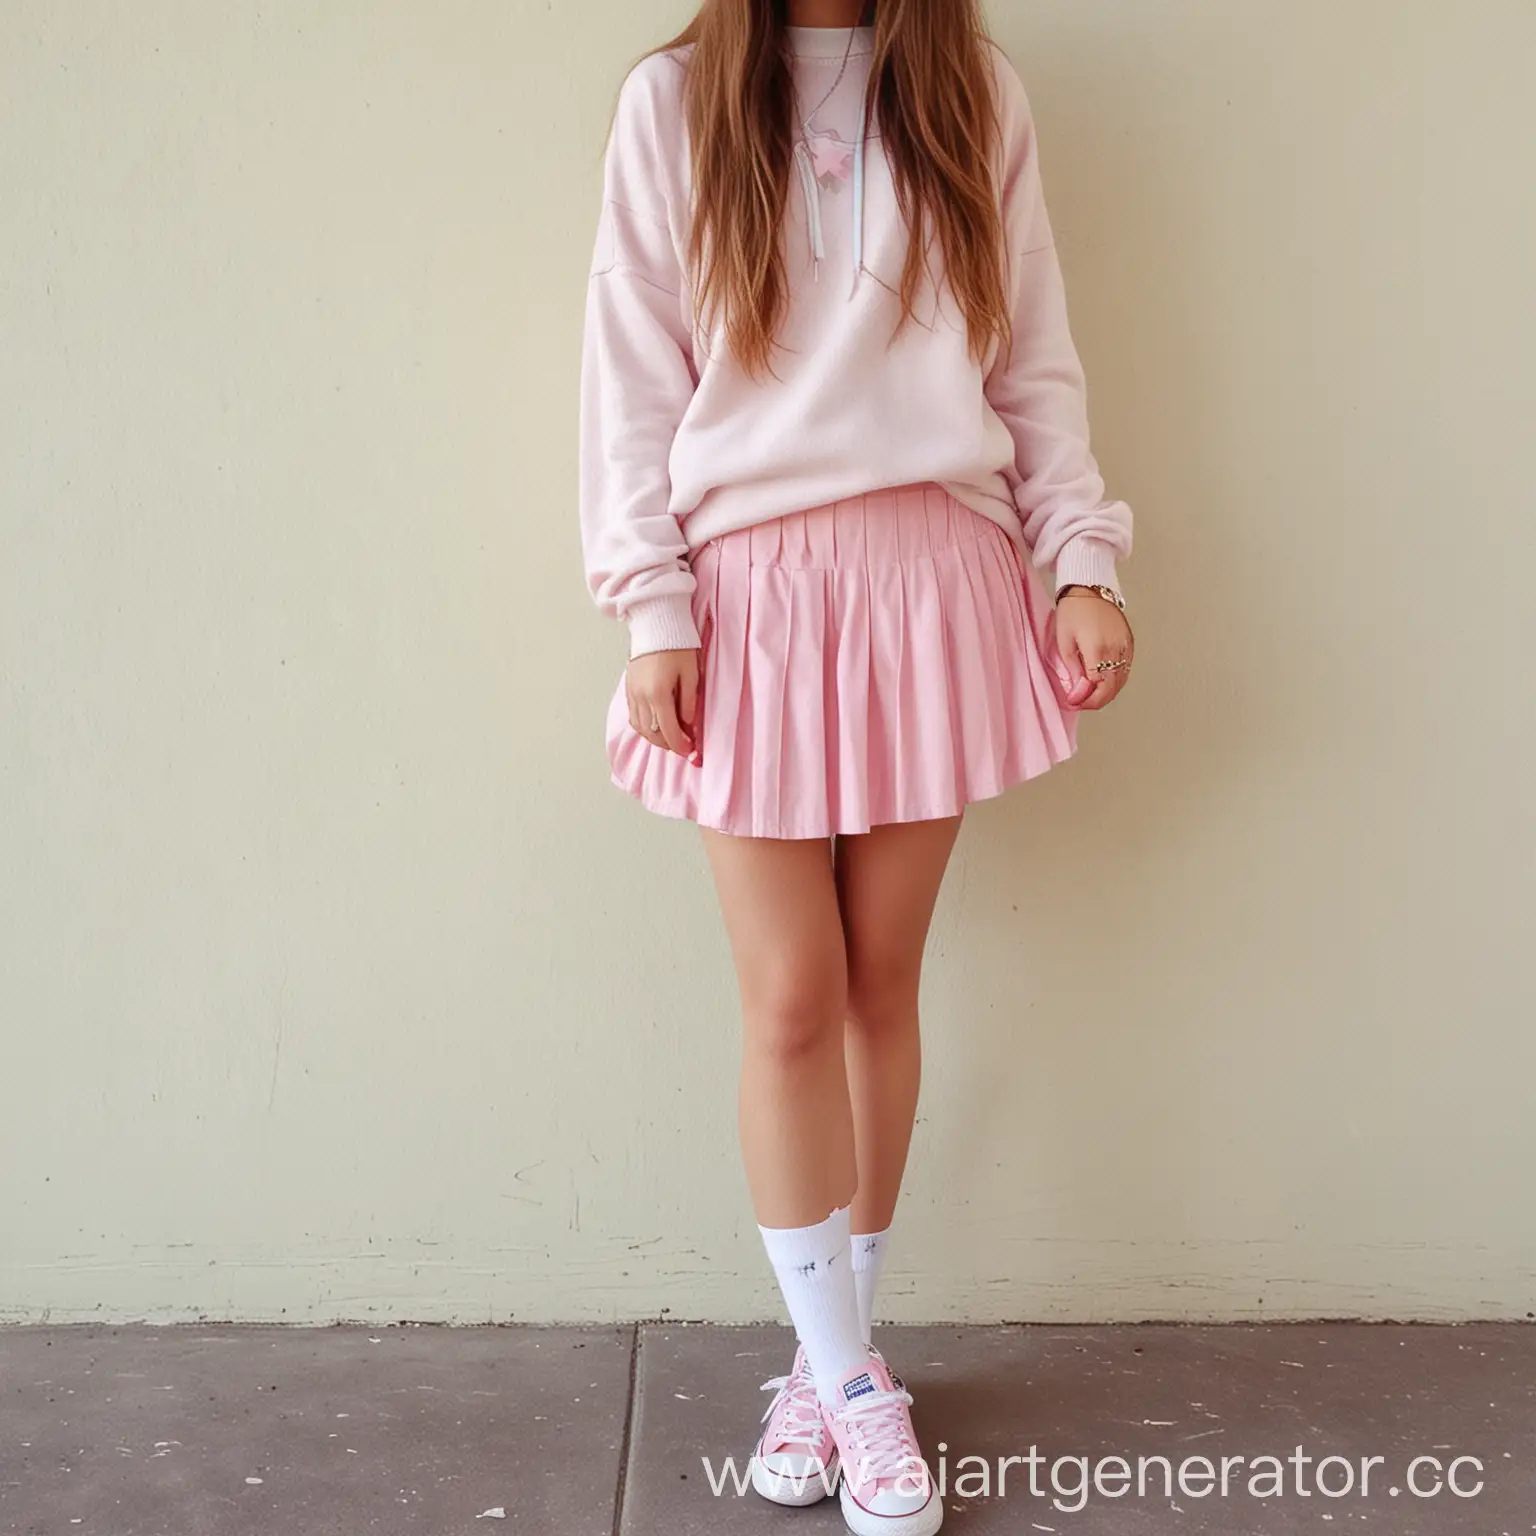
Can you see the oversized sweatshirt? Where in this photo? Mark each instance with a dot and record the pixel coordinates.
(679, 444)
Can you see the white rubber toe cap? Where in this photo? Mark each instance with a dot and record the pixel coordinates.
(785, 1477)
(892, 1512)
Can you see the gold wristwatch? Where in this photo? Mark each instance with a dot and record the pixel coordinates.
(1107, 593)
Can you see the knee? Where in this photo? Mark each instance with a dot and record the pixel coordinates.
(795, 1014)
(882, 999)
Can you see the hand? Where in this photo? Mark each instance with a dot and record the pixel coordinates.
(662, 688)
(1091, 630)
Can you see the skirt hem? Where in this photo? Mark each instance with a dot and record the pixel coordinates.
(780, 834)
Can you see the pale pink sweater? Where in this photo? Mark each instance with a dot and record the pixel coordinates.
(679, 445)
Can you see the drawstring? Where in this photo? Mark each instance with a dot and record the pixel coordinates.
(858, 195)
(810, 189)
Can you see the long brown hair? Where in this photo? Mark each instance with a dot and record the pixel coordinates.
(932, 91)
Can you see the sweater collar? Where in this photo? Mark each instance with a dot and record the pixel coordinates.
(829, 42)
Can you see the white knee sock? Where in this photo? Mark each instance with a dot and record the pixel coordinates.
(868, 1257)
(815, 1270)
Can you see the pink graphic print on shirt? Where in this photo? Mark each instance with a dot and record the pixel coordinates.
(831, 160)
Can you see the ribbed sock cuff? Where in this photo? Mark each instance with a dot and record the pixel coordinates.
(794, 1248)
(868, 1249)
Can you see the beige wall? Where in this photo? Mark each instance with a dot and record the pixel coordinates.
(336, 980)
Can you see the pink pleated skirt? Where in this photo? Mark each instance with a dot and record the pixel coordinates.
(877, 660)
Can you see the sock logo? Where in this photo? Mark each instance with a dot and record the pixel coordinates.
(858, 1387)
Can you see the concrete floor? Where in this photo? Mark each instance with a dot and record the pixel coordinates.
(225, 1431)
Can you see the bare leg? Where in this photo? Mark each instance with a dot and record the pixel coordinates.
(888, 882)
(781, 915)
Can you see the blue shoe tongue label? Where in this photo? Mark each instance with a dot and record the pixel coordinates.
(858, 1387)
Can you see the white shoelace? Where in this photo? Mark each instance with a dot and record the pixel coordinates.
(802, 1408)
(878, 1426)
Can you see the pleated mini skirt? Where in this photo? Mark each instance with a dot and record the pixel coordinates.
(881, 659)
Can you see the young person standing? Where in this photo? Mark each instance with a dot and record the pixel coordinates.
(834, 440)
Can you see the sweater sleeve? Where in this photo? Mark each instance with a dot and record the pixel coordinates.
(637, 379)
(1038, 389)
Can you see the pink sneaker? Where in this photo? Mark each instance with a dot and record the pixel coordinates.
(887, 1489)
(795, 1461)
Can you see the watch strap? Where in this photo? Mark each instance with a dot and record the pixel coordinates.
(1107, 593)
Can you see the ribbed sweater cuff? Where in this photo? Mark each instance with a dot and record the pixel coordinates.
(1086, 561)
(662, 624)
